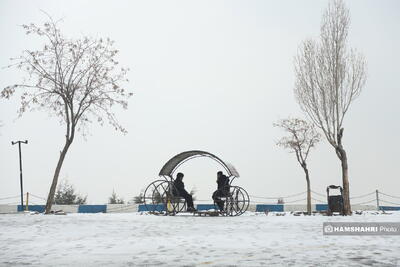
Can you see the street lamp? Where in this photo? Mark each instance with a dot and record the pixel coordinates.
(20, 169)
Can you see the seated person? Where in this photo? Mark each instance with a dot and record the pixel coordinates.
(222, 190)
(180, 188)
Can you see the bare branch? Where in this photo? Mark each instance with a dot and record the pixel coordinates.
(73, 79)
(302, 136)
(328, 76)
(76, 80)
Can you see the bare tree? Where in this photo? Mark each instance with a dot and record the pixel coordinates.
(77, 80)
(302, 137)
(329, 77)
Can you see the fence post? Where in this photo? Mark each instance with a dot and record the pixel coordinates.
(27, 201)
(377, 200)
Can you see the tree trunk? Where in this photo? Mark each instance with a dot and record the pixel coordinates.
(341, 153)
(308, 191)
(345, 181)
(50, 197)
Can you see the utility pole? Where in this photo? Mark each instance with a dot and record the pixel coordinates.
(20, 169)
(377, 199)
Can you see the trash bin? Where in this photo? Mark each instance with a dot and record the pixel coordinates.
(335, 202)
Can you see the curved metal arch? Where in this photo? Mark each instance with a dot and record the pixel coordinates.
(170, 167)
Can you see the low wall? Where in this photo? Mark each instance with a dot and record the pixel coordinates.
(120, 208)
(123, 208)
(8, 209)
(92, 208)
(298, 207)
(269, 207)
(252, 207)
(66, 208)
(388, 208)
(364, 207)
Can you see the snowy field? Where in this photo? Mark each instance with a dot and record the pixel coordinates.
(134, 239)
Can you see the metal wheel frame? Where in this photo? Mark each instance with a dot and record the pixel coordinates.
(159, 192)
(237, 202)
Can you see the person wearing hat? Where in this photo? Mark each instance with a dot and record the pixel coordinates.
(180, 188)
(222, 190)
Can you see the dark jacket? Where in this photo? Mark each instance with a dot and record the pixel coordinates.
(180, 186)
(222, 181)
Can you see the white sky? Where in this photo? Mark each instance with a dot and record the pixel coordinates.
(207, 75)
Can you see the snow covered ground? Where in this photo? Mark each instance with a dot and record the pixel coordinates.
(134, 239)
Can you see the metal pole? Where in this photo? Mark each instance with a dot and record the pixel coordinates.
(20, 169)
(27, 201)
(20, 176)
(377, 200)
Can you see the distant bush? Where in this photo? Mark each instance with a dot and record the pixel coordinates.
(114, 199)
(66, 195)
(139, 199)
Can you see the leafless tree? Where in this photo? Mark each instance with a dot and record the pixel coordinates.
(77, 80)
(329, 77)
(302, 136)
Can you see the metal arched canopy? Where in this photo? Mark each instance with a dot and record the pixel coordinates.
(169, 168)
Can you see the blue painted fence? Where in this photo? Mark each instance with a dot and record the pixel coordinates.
(269, 207)
(92, 208)
(151, 207)
(206, 207)
(321, 207)
(160, 207)
(388, 208)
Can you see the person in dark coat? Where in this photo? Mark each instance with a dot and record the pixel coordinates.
(222, 190)
(181, 191)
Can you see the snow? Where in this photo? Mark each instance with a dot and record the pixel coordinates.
(135, 239)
